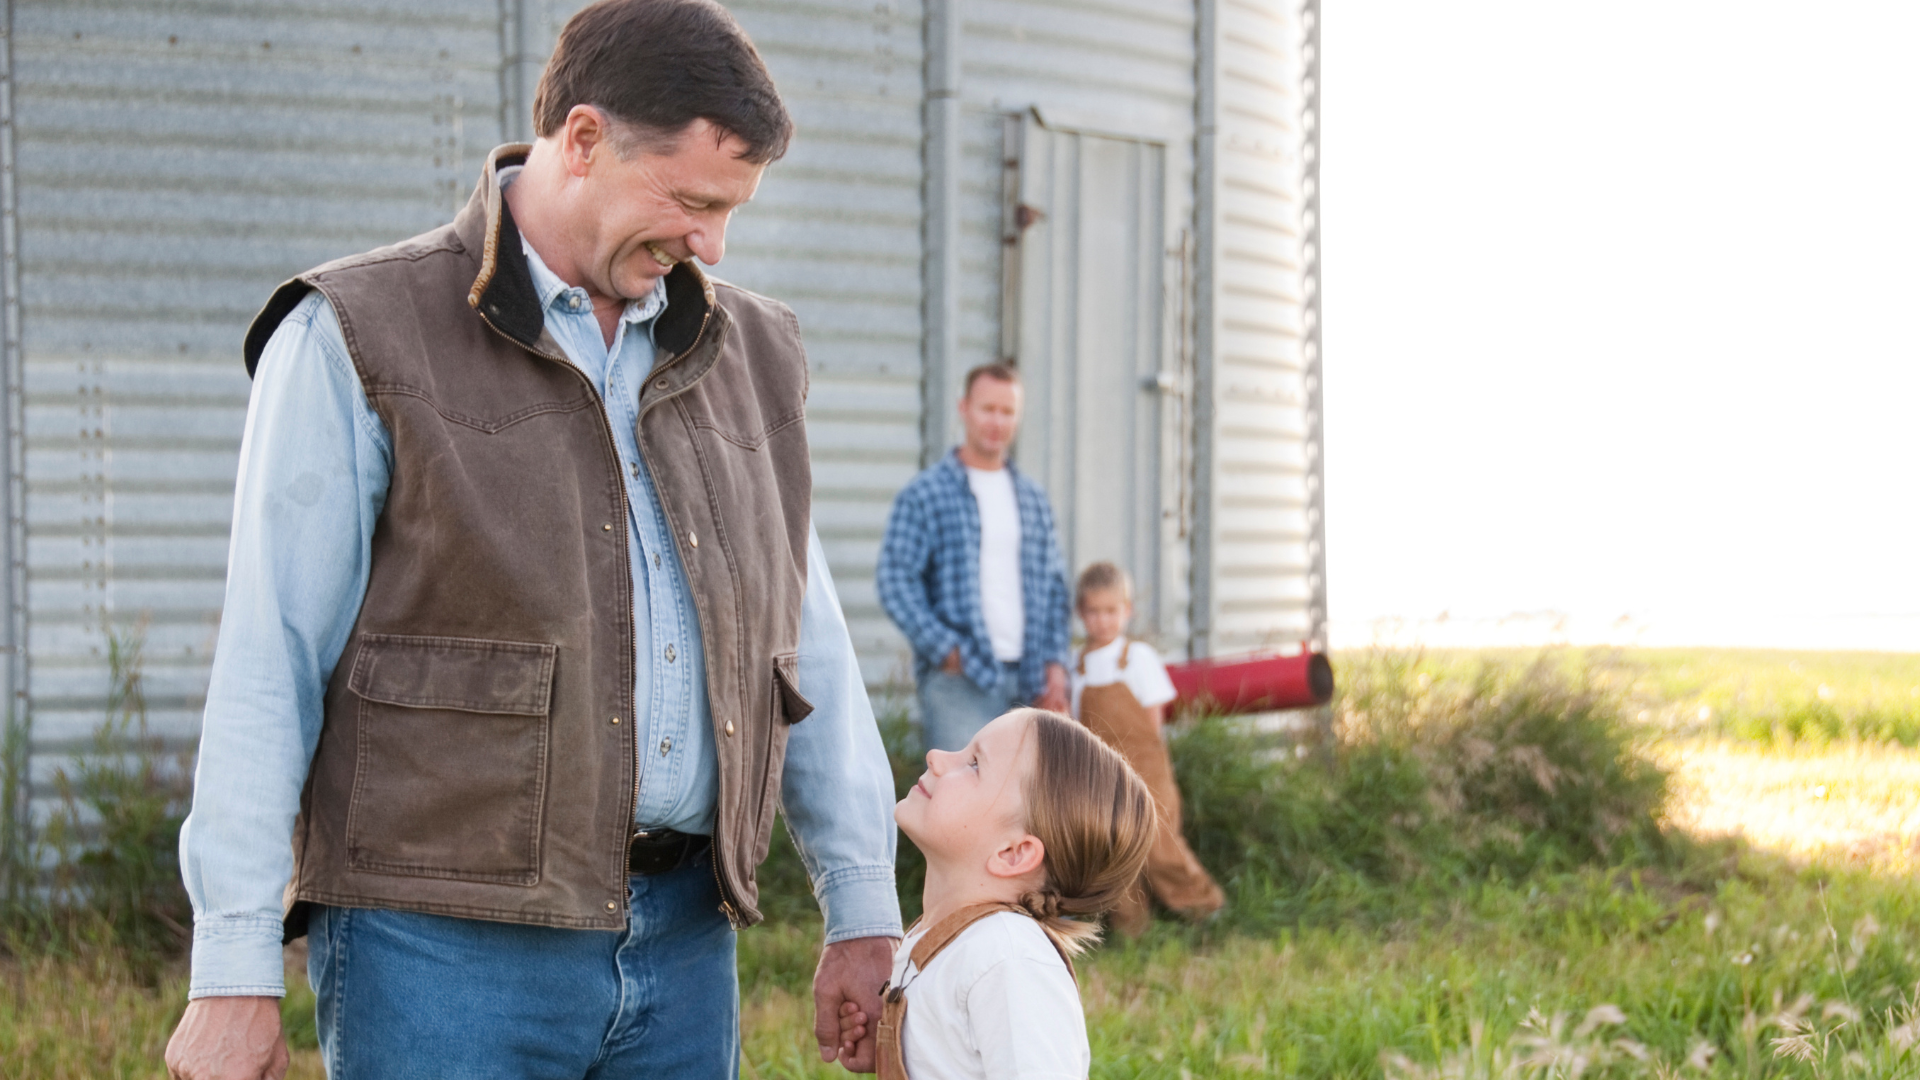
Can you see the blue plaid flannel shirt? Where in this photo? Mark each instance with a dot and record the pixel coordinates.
(929, 576)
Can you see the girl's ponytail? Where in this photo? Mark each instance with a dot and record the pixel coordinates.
(1095, 817)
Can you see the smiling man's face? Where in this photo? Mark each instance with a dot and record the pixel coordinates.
(635, 217)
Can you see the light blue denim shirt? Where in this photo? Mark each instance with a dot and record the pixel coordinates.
(314, 467)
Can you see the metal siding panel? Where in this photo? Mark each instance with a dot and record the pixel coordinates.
(835, 231)
(1261, 532)
(1098, 67)
(982, 179)
(176, 161)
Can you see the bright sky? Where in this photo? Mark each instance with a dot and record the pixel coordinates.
(1622, 318)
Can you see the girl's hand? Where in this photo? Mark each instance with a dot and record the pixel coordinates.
(853, 1028)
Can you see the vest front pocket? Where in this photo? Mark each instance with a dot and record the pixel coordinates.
(451, 763)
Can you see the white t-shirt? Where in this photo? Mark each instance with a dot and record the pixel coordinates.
(1001, 602)
(1145, 675)
(996, 1004)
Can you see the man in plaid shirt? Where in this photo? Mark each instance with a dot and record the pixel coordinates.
(970, 569)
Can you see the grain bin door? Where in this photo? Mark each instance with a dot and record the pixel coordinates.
(1086, 323)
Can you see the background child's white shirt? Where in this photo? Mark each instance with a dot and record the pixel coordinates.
(996, 1004)
(1145, 675)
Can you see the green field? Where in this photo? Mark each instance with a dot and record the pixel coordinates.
(1727, 968)
(1392, 919)
(1755, 695)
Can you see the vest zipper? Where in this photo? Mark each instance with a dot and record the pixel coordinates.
(626, 512)
(727, 906)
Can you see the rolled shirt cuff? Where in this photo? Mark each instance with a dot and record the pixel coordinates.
(859, 901)
(237, 956)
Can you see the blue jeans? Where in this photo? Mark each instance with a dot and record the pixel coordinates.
(953, 709)
(409, 996)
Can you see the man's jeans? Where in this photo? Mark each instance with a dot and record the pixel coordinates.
(405, 995)
(953, 709)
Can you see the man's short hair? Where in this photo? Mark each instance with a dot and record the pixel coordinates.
(1102, 577)
(656, 66)
(998, 371)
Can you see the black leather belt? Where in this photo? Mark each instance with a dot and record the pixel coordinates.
(656, 851)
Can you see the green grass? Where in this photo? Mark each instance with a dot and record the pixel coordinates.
(1469, 881)
(1721, 967)
(1439, 778)
(1766, 696)
(1683, 964)
(1757, 695)
(90, 1012)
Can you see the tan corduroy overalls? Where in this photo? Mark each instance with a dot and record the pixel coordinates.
(892, 1062)
(1173, 873)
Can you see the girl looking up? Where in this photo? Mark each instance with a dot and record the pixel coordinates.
(1030, 832)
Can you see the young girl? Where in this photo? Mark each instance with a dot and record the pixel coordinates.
(1029, 832)
(1121, 691)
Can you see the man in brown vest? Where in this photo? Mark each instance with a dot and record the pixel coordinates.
(525, 614)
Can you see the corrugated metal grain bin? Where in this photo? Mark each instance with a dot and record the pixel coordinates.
(170, 162)
(1116, 195)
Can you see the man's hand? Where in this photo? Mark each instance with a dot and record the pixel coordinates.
(951, 665)
(229, 1038)
(846, 999)
(1054, 697)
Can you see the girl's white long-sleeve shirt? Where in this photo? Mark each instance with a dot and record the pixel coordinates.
(996, 1004)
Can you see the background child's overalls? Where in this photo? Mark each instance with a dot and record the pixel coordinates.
(1173, 873)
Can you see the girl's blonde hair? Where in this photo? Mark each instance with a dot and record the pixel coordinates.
(1095, 817)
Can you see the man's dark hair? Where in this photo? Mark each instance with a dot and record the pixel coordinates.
(998, 371)
(659, 65)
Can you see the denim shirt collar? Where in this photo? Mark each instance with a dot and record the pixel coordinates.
(957, 470)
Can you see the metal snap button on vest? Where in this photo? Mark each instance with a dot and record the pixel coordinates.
(608, 527)
(659, 384)
(729, 729)
(611, 906)
(692, 539)
(613, 719)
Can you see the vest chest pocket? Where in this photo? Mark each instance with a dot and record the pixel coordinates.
(451, 764)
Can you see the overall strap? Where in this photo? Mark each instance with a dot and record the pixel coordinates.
(1081, 667)
(951, 927)
(891, 1060)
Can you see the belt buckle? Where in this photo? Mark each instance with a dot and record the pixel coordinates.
(651, 851)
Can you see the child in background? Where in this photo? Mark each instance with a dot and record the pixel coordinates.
(1120, 692)
(1030, 831)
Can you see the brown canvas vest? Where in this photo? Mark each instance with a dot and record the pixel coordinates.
(890, 1032)
(477, 757)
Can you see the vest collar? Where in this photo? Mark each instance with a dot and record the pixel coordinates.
(503, 291)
